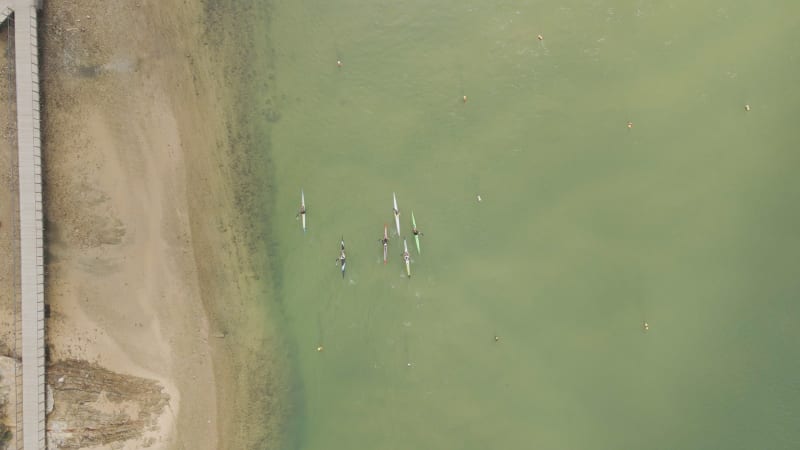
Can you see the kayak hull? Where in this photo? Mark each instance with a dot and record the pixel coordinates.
(303, 208)
(385, 243)
(406, 258)
(342, 258)
(416, 236)
(396, 213)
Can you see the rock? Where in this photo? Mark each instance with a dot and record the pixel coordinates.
(48, 399)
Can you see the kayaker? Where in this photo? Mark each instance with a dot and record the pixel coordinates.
(416, 232)
(341, 258)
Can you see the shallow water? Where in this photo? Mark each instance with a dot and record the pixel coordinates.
(586, 228)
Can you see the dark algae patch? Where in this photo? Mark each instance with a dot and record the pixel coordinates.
(253, 323)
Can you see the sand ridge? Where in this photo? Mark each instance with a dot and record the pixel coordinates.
(122, 281)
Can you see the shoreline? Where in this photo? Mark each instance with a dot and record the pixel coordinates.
(151, 266)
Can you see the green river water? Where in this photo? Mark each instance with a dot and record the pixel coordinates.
(688, 221)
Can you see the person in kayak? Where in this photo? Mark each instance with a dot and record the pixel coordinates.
(385, 243)
(342, 257)
(301, 212)
(416, 232)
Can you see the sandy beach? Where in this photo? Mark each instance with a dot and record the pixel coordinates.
(9, 230)
(152, 298)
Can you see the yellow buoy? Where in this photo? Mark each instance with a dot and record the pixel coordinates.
(539, 37)
(747, 107)
(319, 349)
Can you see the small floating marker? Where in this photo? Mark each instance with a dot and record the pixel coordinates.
(464, 98)
(540, 37)
(319, 349)
(630, 124)
(645, 326)
(747, 107)
(497, 338)
(339, 63)
(479, 198)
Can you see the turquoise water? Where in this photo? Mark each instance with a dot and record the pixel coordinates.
(586, 228)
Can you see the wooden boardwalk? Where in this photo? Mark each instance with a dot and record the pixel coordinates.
(31, 245)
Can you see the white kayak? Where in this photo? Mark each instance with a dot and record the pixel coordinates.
(385, 242)
(396, 213)
(407, 258)
(342, 257)
(303, 209)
